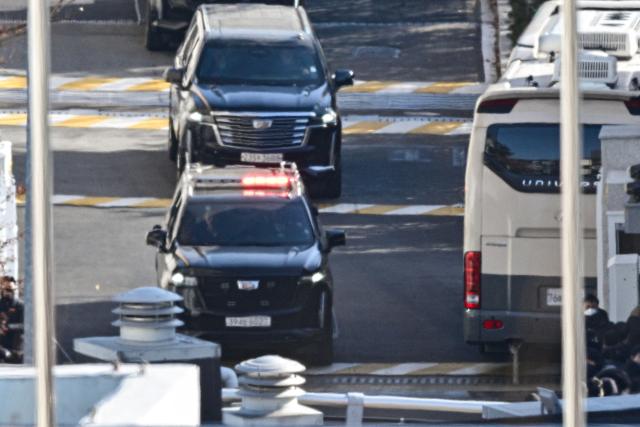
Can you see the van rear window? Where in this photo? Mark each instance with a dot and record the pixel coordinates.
(527, 156)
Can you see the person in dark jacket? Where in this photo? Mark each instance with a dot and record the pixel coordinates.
(596, 319)
(632, 367)
(11, 321)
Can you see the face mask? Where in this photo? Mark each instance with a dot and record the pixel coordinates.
(590, 311)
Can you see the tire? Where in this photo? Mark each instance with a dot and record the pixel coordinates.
(173, 144)
(154, 38)
(180, 163)
(320, 353)
(332, 184)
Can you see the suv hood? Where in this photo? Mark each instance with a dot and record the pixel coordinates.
(265, 98)
(253, 260)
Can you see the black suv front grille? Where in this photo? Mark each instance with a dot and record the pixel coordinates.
(220, 293)
(262, 131)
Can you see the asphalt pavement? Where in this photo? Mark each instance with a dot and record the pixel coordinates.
(398, 281)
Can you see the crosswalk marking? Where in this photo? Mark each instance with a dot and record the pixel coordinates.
(431, 368)
(436, 128)
(106, 202)
(363, 127)
(86, 84)
(352, 125)
(61, 82)
(13, 82)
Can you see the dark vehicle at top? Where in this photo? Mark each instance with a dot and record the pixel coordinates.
(168, 19)
(244, 248)
(250, 84)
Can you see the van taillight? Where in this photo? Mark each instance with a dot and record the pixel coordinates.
(633, 105)
(472, 280)
(497, 106)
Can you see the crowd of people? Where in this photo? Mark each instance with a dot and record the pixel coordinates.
(11, 321)
(613, 351)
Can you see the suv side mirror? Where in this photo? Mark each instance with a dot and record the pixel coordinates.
(157, 237)
(336, 238)
(343, 78)
(173, 75)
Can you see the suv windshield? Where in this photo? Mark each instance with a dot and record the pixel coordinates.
(251, 63)
(527, 155)
(246, 223)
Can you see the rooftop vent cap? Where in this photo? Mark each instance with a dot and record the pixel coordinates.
(593, 67)
(270, 388)
(147, 314)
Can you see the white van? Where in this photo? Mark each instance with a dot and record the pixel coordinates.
(512, 221)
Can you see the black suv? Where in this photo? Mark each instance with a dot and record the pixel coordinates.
(167, 20)
(250, 84)
(244, 247)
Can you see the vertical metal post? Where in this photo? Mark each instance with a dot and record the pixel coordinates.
(573, 346)
(41, 224)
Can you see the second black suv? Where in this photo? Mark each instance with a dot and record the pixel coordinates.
(244, 247)
(250, 84)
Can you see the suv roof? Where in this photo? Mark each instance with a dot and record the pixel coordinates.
(255, 21)
(243, 180)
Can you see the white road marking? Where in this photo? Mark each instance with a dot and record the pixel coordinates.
(345, 208)
(400, 127)
(403, 368)
(415, 210)
(328, 370)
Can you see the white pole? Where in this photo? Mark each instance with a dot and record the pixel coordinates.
(573, 346)
(41, 181)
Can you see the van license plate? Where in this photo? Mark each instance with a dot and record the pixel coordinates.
(261, 157)
(554, 296)
(248, 322)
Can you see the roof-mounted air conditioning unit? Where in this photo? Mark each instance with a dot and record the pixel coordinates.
(593, 67)
(614, 32)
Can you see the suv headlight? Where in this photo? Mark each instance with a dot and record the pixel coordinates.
(314, 278)
(327, 117)
(197, 118)
(179, 279)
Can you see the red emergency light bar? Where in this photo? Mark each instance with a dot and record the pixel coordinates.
(267, 181)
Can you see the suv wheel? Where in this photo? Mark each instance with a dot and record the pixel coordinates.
(154, 39)
(333, 182)
(173, 143)
(320, 353)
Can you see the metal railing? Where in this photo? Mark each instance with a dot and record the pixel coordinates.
(355, 403)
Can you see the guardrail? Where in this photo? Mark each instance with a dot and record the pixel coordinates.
(356, 402)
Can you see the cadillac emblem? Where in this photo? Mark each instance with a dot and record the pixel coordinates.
(248, 285)
(260, 124)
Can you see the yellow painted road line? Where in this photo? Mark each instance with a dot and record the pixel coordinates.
(447, 211)
(80, 121)
(155, 203)
(368, 87)
(13, 120)
(151, 124)
(364, 127)
(89, 201)
(13, 82)
(87, 84)
(150, 86)
(443, 87)
(378, 209)
(436, 128)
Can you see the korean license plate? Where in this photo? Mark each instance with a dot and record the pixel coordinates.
(554, 296)
(248, 322)
(261, 157)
